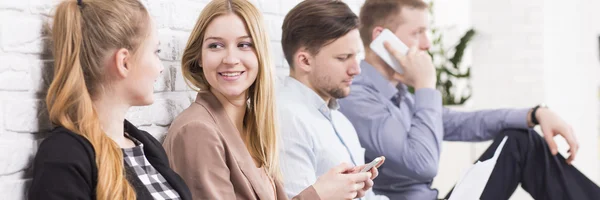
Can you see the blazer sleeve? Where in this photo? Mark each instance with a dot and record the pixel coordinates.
(307, 194)
(196, 152)
(62, 169)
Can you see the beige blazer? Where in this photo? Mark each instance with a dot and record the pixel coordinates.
(206, 150)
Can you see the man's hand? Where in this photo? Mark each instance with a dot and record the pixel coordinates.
(369, 183)
(553, 125)
(338, 184)
(417, 65)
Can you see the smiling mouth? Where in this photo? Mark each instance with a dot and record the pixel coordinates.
(231, 74)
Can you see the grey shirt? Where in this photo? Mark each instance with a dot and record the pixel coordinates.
(408, 129)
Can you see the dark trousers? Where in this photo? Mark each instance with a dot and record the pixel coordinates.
(526, 159)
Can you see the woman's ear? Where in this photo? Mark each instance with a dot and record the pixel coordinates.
(121, 62)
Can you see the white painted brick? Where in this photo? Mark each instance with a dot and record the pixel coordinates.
(160, 10)
(185, 14)
(13, 5)
(277, 54)
(274, 23)
(23, 35)
(165, 110)
(172, 44)
(17, 155)
(162, 111)
(163, 83)
(43, 7)
(41, 76)
(270, 7)
(167, 45)
(180, 40)
(18, 62)
(14, 81)
(2, 122)
(14, 189)
(139, 115)
(25, 115)
(179, 81)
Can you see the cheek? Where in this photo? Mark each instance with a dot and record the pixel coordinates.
(335, 69)
(210, 62)
(406, 38)
(250, 62)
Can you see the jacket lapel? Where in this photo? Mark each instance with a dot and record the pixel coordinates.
(158, 159)
(237, 146)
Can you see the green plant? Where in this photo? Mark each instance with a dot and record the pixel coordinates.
(448, 65)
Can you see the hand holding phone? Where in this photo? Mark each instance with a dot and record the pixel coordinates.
(375, 163)
(414, 66)
(378, 47)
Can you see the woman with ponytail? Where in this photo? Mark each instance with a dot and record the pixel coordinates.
(105, 61)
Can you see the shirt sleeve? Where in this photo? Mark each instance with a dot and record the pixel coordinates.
(481, 125)
(297, 157)
(415, 149)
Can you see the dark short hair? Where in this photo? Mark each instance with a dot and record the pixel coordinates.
(384, 13)
(313, 24)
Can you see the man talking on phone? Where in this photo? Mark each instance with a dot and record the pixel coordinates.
(408, 129)
(320, 42)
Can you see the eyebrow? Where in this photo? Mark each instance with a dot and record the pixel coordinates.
(220, 38)
(350, 53)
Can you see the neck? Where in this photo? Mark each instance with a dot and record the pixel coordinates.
(235, 107)
(381, 67)
(303, 78)
(111, 113)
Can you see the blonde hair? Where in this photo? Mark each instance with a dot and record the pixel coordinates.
(260, 120)
(83, 36)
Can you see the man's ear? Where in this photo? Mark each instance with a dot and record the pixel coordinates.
(303, 60)
(376, 31)
(121, 62)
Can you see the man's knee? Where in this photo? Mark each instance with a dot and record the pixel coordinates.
(523, 140)
(525, 136)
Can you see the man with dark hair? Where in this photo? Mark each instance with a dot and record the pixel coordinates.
(320, 42)
(409, 128)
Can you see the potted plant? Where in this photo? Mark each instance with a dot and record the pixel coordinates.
(449, 68)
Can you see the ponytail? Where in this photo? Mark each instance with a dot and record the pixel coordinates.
(69, 97)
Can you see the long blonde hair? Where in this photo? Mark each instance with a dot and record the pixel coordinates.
(260, 120)
(83, 36)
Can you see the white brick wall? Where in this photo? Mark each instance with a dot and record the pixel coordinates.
(510, 56)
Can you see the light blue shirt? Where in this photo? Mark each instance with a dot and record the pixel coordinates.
(309, 130)
(408, 129)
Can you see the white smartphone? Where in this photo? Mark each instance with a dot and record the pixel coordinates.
(372, 164)
(379, 49)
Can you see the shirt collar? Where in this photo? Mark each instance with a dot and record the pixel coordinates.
(381, 84)
(311, 97)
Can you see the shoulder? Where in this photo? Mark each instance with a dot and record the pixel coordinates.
(188, 130)
(66, 147)
(361, 98)
(195, 118)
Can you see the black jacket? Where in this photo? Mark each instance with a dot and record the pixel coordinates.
(65, 167)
